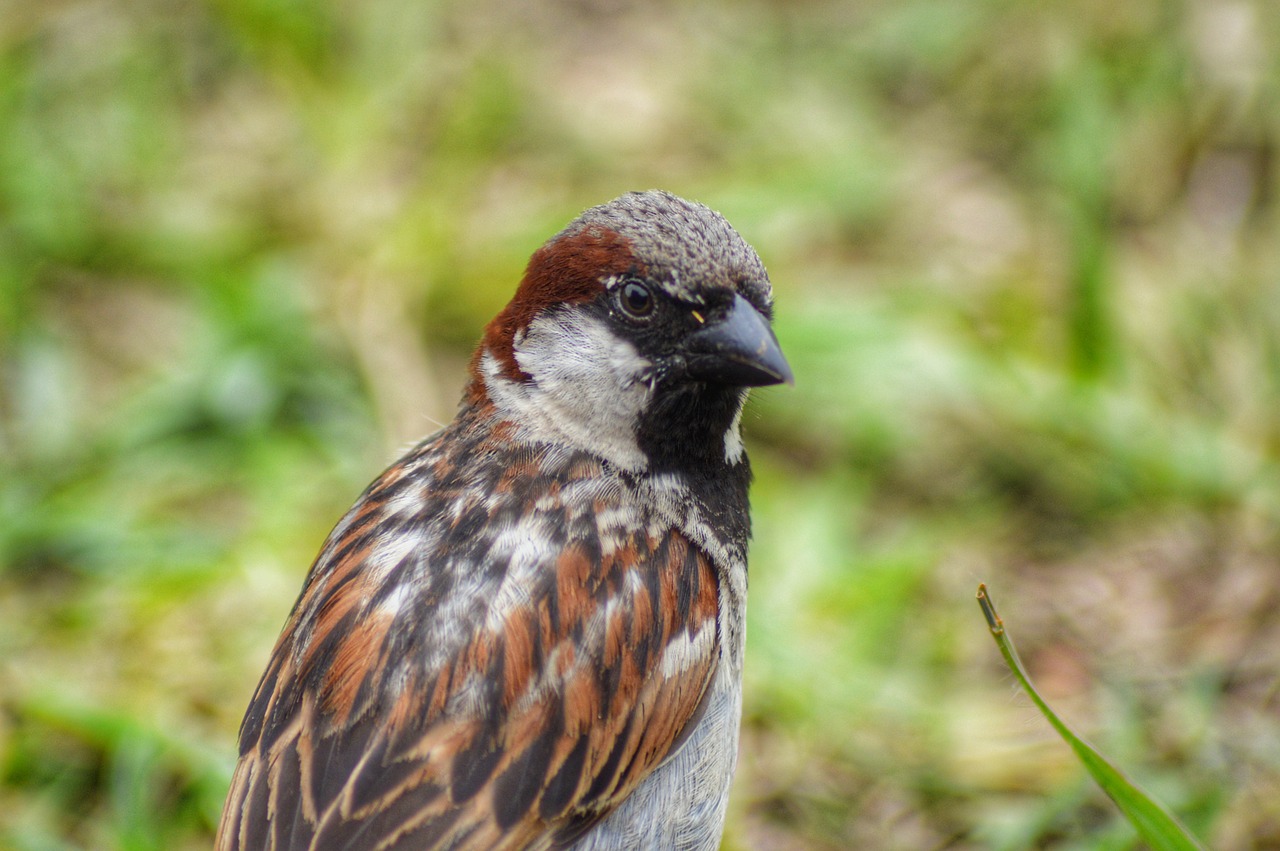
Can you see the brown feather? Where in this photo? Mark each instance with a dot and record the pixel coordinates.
(579, 708)
(567, 270)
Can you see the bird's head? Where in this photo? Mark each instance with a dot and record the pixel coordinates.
(635, 335)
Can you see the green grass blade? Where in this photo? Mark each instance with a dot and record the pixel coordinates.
(1155, 824)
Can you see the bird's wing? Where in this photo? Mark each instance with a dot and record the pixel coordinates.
(539, 719)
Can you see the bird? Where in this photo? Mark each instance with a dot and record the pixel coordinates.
(528, 632)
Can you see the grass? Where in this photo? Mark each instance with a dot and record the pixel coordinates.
(1154, 824)
(1025, 265)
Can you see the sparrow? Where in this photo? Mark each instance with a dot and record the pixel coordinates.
(528, 632)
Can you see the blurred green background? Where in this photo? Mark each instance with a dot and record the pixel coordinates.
(1027, 272)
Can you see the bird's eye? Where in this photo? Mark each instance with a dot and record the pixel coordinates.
(635, 299)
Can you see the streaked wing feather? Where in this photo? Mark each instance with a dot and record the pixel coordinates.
(527, 733)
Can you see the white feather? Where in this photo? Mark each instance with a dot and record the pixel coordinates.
(587, 390)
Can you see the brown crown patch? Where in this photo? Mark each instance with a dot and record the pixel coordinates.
(566, 271)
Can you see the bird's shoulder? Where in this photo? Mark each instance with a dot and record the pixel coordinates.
(497, 643)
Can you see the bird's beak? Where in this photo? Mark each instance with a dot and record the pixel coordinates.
(738, 348)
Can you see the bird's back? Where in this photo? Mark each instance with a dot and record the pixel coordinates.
(500, 645)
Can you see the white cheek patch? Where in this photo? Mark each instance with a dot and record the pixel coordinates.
(588, 387)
